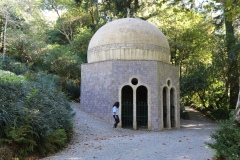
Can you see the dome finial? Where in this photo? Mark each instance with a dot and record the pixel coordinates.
(128, 13)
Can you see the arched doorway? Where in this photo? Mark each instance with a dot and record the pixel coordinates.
(172, 105)
(127, 107)
(142, 107)
(164, 107)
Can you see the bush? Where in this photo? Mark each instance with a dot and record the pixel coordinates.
(220, 113)
(34, 114)
(73, 90)
(226, 140)
(53, 141)
(213, 112)
(13, 66)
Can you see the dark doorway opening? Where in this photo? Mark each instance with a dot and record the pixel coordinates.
(127, 107)
(164, 107)
(142, 107)
(172, 112)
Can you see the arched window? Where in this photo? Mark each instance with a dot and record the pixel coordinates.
(127, 107)
(172, 107)
(142, 107)
(164, 99)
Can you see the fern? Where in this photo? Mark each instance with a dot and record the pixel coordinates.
(5, 120)
(53, 141)
(31, 95)
(23, 135)
(34, 114)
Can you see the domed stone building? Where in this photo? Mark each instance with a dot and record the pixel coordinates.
(129, 62)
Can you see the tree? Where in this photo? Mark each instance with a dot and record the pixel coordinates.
(61, 61)
(233, 73)
(225, 24)
(190, 37)
(118, 8)
(20, 18)
(237, 117)
(67, 19)
(5, 12)
(223, 13)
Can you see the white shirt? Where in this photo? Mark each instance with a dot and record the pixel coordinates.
(115, 110)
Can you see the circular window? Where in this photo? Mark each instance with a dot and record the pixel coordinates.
(134, 81)
(169, 82)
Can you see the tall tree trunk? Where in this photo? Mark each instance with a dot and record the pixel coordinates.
(1, 33)
(5, 36)
(237, 117)
(233, 73)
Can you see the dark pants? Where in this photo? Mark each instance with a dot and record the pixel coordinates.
(116, 121)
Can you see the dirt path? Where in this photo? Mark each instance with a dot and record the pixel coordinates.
(196, 115)
(95, 139)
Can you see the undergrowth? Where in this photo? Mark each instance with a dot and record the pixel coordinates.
(35, 116)
(226, 139)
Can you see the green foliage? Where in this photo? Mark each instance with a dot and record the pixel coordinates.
(195, 81)
(23, 37)
(118, 8)
(53, 141)
(61, 61)
(54, 36)
(122, 5)
(13, 66)
(203, 88)
(219, 113)
(24, 136)
(226, 139)
(80, 44)
(200, 56)
(34, 113)
(73, 89)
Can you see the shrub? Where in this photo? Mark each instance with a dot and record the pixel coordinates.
(226, 140)
(213, 112)
(73, 90)
(220, 113)
(13, 66)
(53, 141)
(35, 115)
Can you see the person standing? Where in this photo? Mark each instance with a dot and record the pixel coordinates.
(115, 114)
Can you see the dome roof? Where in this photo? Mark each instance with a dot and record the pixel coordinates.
(128, 39)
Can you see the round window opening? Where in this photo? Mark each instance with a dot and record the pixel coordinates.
(134, 81)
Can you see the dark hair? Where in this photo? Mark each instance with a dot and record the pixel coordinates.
(116, 104)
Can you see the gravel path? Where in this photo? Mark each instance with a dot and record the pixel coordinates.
(96, 139)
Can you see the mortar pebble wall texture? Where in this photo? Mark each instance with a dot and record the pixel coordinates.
(102, 82)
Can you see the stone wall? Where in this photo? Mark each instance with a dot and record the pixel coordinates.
(102, 82)
(168, 76)
(96, 88)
